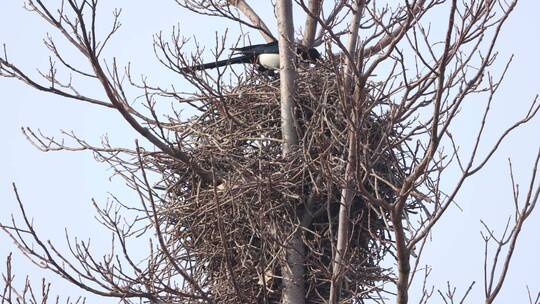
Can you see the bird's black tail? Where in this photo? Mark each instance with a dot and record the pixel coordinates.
(271, 47)
(216, 64)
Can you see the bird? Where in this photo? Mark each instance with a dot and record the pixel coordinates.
(264, 56)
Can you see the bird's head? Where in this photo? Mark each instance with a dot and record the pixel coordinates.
(309, 54)
(313, 55)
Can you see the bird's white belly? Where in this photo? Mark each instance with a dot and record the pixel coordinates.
(269, 61)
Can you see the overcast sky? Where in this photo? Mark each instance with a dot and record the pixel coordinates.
(57, 188)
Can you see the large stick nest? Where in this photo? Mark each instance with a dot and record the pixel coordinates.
(231, 233)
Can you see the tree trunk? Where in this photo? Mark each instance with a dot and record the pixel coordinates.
(293, 268)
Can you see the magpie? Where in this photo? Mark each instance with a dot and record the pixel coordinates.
(264, 56)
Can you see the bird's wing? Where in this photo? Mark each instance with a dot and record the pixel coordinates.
(256, 49)
(219, 63)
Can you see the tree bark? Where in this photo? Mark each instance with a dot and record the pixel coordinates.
(352, 61)
(311, 23)
(347, 193)
(293, 267)
(287, 73)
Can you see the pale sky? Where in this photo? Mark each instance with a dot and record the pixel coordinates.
(57, 187)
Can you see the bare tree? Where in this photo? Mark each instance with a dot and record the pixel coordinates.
(287, 189)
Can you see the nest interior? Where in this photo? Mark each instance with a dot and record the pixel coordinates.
(233, 232)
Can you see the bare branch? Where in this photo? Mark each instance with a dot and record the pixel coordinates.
(254, 18)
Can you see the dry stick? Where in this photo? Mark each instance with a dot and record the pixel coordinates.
(293, 269)
(325, 24)
(181, 156)
(391, 37)
(521, 215)
(17, 73)
(8, 281)
(242, 6)
(226, 250)
(124, 111)
(51, 263)
(391, 40)
(335, 37)
(402, 251)
(111, 94)
(160, 237)
(86, 46)
(347, 193)
(532, 112)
